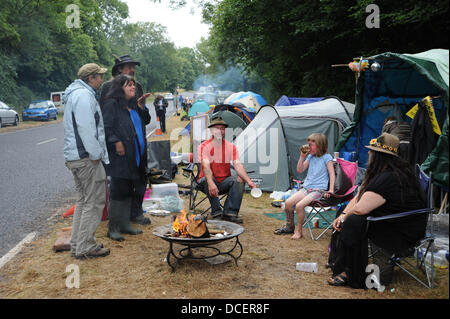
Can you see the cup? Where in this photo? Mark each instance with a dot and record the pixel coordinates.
(256, 192)
(308, 267)
(305, 149)
(336, 154)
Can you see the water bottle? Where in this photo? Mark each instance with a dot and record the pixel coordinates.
(440, 259)
(308, 267)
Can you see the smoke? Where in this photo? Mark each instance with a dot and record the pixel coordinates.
(231, 79)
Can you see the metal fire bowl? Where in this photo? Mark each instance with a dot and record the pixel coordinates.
(232, 229)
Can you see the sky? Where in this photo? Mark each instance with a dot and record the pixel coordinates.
(184, 27)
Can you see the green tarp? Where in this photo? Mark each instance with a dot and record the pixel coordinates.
(403, 78)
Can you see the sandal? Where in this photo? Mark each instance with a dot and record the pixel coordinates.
(283, 230)
(339, 280)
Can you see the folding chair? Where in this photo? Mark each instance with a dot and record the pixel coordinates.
(387, 261)
(192, 171)
(319, 208)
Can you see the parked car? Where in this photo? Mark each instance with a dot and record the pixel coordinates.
(8, 115)
(40, 110)
(169, 96)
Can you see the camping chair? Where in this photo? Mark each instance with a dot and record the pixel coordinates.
(345, 193)
(421, 250)
(192, 171)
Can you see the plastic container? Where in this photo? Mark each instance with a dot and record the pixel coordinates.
(307, 267)
(163, 190)
(176, 159)
(440, 259)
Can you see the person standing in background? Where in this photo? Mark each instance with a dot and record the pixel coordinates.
(160, 104)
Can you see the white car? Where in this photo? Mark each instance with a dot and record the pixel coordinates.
(168, 96)
(8, 115)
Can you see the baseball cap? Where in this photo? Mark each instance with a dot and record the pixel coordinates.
(90, 68)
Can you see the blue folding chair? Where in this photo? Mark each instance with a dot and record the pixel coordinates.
(424, 248)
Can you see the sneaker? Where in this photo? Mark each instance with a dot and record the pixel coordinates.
(98, 252)
(141, 220)
(72, 253)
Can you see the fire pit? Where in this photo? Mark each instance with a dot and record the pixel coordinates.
(220, 231)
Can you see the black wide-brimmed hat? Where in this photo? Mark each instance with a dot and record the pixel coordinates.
(121, 60)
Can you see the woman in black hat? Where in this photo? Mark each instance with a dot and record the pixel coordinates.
(127, 149)
(389, 187)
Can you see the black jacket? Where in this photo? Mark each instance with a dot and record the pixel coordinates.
(119, 127)
(164, 104)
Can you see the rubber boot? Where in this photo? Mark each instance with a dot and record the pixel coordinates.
(115, 211)
(125, 225)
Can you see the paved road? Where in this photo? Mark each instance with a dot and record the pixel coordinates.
(34, 180)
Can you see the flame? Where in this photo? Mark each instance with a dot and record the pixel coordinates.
(181, 222)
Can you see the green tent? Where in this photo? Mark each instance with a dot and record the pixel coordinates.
(391, 90)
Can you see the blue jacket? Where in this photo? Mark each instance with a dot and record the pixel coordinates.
(84, 133)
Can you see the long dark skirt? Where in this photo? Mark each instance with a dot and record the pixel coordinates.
(352, 251)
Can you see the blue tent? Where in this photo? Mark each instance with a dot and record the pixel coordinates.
(199, 106)
(249, 99)
(288, 101)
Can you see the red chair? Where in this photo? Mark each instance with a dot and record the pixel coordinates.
(346, 191)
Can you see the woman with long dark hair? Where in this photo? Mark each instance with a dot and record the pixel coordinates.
(390, 186)
(127, 149)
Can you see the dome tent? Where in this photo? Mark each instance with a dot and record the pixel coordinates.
(269, 146)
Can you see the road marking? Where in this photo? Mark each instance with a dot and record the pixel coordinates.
(47, 141)
(13, 252)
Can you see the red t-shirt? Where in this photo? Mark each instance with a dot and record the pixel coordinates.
(219, 158)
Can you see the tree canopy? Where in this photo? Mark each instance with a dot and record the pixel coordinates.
(293, 43)
(40, 52)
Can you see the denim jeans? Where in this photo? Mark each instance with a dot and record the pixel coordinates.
(233, 202)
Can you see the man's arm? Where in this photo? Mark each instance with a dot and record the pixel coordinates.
(212, 187)
(242, 173)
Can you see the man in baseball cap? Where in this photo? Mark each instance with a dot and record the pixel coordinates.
(84, 150)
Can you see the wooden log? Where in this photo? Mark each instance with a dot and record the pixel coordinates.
(197, 229)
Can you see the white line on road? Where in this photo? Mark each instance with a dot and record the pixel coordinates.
(47, 141)
(13, 252)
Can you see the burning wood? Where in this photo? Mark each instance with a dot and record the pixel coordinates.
(189, 226)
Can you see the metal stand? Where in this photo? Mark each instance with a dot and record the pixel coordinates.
(186, 253)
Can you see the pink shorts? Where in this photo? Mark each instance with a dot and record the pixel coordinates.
(316, 194)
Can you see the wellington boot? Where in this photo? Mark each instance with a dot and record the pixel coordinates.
(125, 225)
(115, 211)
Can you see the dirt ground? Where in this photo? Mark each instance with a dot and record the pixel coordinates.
(136, 267)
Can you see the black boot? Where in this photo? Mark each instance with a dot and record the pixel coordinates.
(125, 226)
(115, 210)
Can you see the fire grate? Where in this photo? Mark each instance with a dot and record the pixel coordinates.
(202, 244)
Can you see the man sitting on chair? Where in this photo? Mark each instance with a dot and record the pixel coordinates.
(215, 176)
